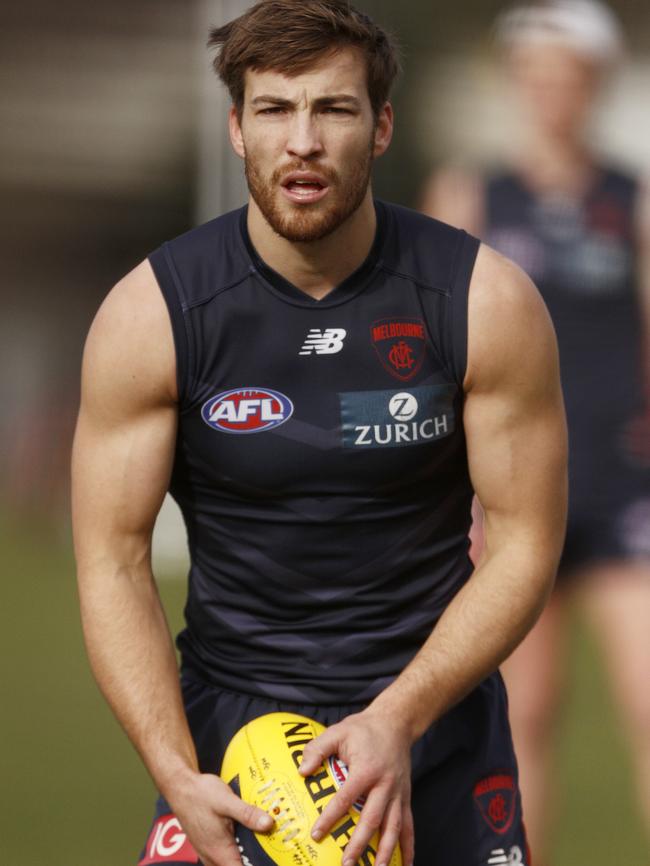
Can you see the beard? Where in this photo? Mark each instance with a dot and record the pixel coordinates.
(307, 223)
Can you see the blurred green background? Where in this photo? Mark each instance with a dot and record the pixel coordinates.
(74, 792)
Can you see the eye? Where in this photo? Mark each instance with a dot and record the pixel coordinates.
(274, 109)
(333, 109)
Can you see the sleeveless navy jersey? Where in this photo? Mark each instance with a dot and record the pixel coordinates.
(582, 255)
(321, 464)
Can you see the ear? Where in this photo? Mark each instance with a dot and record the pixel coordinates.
(236, 137)
(383, 130)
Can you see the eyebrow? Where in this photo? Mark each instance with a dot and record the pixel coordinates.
(321, 102)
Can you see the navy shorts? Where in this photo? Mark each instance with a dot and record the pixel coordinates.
(466, 802)
(608, 520)
(609, 499)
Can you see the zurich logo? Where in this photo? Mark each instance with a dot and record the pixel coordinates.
(247, 410)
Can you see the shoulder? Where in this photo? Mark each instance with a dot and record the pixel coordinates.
(129, 349)
(415, 224)
(456, 195)
(135, 298)
(211, 255)
(509, 329)
(618, 178)
(422, 248)
(195, 240)
(621, 187)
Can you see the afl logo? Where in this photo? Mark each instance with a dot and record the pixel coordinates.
(247, 410)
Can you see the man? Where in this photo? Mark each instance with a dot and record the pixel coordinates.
(581, 228)
(317, 378)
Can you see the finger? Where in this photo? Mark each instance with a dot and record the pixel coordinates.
(351, 792)
(320, 748)
(372, 816)
(223, 852)
(247, 814)
(407, 834)
(390, 832)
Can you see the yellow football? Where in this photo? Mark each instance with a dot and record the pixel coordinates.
(261, 765)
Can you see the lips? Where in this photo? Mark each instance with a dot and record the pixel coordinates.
(304, 187)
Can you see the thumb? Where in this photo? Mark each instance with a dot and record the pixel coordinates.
(318, 750)
(245, 813)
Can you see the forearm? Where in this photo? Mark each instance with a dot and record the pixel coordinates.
(133, 660)
(486, 620)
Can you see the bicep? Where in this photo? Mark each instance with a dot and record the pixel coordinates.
(517, 459)
(125, 436)
(120, 474)
(514, 416)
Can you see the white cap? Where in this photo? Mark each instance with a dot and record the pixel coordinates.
(588, 26)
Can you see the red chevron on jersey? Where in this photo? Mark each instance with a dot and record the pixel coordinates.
(168, 844)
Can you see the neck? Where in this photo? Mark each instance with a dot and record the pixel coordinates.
(558, 162)
(316, 267)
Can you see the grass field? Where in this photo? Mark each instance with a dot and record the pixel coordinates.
(74, 793)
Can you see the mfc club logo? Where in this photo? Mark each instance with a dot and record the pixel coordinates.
(400, 345)
(327, 342)
(247, 410)
(495, 798)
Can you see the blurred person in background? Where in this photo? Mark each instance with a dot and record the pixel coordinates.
(581, 229)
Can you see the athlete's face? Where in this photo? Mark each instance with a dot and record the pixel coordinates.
(308, 143)
(556, 85)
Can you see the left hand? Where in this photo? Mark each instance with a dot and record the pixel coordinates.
(377, 752)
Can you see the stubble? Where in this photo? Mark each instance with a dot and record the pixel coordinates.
(307, 223)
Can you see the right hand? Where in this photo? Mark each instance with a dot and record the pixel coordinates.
(206, 808)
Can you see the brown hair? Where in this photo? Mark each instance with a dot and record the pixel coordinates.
(292, 35)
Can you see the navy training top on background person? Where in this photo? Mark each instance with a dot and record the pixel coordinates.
(581, 251)
(320, 465)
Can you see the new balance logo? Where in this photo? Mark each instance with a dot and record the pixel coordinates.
(499, 857)
(327, 342)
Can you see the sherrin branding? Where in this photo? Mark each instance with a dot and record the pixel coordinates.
(247, 410)
(261, 765)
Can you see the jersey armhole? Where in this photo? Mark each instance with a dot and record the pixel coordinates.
(172, 291)
(465, 258)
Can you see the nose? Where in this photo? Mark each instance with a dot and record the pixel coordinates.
(304, 139)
